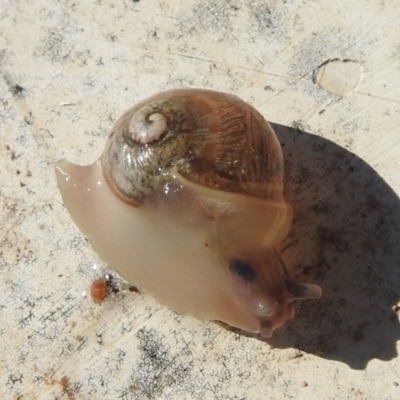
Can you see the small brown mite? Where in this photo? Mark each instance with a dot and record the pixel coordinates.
(98, 290)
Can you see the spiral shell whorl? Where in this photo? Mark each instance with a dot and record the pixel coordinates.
(147, 126)
(146, 140)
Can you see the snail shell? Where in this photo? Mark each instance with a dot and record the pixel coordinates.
(187, 202)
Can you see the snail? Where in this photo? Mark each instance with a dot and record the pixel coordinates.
(188, 203)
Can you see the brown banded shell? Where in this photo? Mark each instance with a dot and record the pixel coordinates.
(203, 211)
(213, 139)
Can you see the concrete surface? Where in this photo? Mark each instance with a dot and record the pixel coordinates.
(326, 73)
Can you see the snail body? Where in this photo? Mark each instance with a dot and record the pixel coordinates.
(187, 202)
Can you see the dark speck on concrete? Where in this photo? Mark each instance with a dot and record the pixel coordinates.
(17, 90)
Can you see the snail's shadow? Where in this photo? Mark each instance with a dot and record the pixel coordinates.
(345, 238)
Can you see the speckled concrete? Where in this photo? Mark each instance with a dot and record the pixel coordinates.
(326, 73)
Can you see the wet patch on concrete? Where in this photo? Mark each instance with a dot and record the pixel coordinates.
(337, 76)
